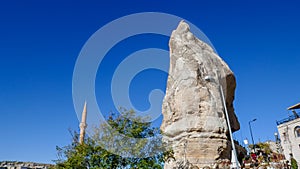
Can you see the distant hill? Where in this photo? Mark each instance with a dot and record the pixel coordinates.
(23, 165)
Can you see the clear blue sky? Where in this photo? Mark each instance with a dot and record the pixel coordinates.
(40, 42)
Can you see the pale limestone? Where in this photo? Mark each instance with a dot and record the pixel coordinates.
(194, 122)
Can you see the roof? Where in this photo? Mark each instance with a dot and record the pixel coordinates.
(296, 106)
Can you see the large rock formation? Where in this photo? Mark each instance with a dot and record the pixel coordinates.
(194, 122)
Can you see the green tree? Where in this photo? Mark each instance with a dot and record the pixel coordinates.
(265, 147)
(294, 164)
(96, 152)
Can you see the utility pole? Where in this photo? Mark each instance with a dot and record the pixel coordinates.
(251, 133)
(234, 161)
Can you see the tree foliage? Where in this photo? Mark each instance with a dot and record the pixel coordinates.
(97, 151)
(294, 164)
(265, 147)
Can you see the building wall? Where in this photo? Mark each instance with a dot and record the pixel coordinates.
(289, 133)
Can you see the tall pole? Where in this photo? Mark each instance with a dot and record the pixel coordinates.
(250, 128)
(234, 160)
(83, 124)
(235, 163)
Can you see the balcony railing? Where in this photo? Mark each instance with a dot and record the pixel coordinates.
(290, 118)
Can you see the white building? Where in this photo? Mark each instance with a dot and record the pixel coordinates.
(289, 131)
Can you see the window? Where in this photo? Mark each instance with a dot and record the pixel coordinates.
(297, 131)
(284, 137)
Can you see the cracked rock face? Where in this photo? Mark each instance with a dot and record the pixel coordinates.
(194, 122)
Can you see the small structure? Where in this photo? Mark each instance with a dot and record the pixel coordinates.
(289, 131)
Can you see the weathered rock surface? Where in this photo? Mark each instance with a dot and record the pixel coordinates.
(24, 165)
(194, 122)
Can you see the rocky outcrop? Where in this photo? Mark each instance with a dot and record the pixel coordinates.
(24, 165)
(194, 121)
